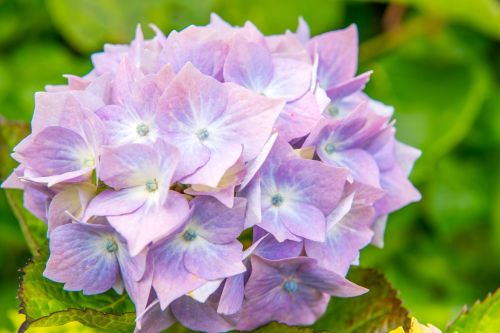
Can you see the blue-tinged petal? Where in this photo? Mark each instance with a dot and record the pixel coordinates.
(210, 217)
(83, 257)
(232, 295)
(270, 248)
(171, 280)
(200, 316)
(154, 319)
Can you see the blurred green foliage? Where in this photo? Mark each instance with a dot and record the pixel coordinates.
(436, 61)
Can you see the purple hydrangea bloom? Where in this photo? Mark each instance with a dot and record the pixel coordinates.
(293, 291)
(198, 252)
(140, 205)
(148, 169)
(94, 258)
(292, 204)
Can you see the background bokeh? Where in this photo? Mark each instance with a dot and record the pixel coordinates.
(436, 61)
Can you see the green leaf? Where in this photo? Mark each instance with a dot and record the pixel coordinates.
(33, 229)
(483, 317)
(379, 310)
(87, 25)
(483, 15)
(278, 328)
(276, 16)
(45, 303)
(437, 95)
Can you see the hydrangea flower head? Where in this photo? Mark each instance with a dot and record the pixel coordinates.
(148, 169)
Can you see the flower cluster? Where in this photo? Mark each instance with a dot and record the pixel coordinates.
(156, 170)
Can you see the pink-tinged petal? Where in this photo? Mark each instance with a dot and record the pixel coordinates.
(154, 319)
(298, 118)
(83, 258)
(191, 103)
(151, 223)
(223, 155)
(130, 165)
(210, 217)
(232, 295)
(349, 87)
(56, 151)
(399, 191)
(195, 45)
(50, 107)
(111, 202)
(171, 280)
(214, 261)
(73, 200)
(361, 165)
(291, 79)
(121, 124)
(192, 98)
(164, 77)
(246, 113)
(200, 316)
(338, 55)
(288, 45)
(250, 65)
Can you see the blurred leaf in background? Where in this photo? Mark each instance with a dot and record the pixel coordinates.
(436, 61)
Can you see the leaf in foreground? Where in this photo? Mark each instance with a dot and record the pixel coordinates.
(482, 317)
(45, 303)
(379, 310)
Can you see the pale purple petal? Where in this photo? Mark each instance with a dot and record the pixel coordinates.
(249, 65)
(249, 119)
(210, 216)
(200, 316)
(338, 55)
(150, 223)
(299, 117)
(171, 280)
(57, 151)
(232, 295)
(73, 200)
(154, 319)
(83, 258)
(291, 79)
(349, 87)
(212, 261)
(270, 248)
